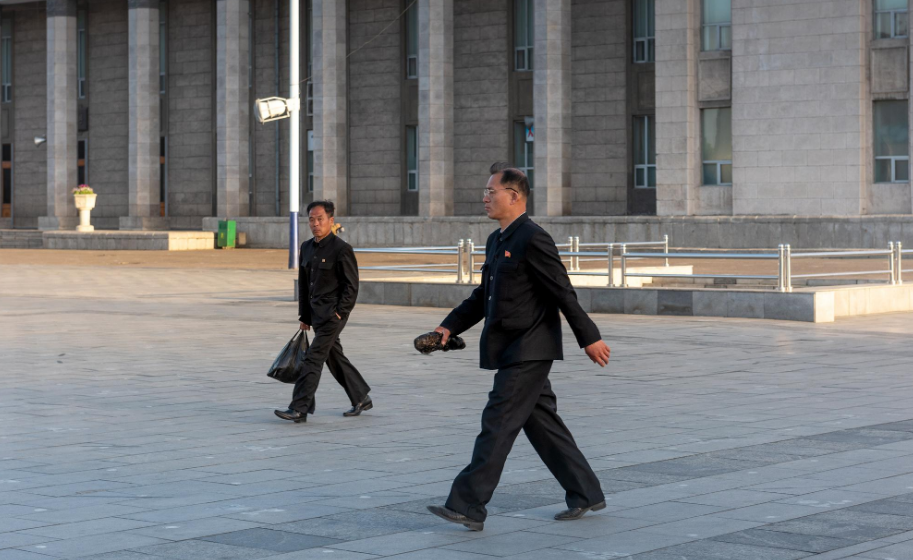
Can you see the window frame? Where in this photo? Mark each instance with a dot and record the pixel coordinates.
(82, 54)
(529, 153)
(310, 161)
(649, 40)
(894, 159)
(719, 163)
(412, 40)
(528, 46)
(645, 167)
(720, 26)
(412, 172)
(894, 12)
(82, 163)
(6, 51)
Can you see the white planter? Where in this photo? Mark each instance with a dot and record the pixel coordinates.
(85, 203)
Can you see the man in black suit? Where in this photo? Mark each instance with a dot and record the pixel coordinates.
(328, 286)
(524, 285)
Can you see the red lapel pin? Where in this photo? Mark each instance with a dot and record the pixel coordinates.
(507, 254)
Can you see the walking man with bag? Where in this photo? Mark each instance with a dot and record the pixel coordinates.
(524, 285)
(327, 288)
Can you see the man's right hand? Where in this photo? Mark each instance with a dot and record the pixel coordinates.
(445, 332)
(305, 327)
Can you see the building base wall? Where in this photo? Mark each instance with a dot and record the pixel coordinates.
(728, 232)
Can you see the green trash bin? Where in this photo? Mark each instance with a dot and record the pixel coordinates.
(228, 230)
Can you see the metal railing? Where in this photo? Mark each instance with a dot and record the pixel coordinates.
(465, 253)
(783, 256)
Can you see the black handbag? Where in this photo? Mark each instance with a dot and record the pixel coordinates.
(290, 361)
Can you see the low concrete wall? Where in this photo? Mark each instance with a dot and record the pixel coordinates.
(731, 232)
(822, 305)
(20, 239)
(130, 240)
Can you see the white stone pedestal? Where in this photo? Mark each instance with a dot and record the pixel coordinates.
(85, 203)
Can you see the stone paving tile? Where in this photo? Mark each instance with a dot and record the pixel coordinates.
(512, 543)
(269, 539)
(697, 426)
(792, 541)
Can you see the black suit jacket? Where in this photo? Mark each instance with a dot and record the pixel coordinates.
(524, 284)
(327, 280)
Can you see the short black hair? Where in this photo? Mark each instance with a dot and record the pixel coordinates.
(498, 167)
(516, 178)
(328, 206)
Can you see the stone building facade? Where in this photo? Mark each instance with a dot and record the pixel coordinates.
(688, 108)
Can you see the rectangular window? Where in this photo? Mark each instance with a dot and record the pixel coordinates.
(716, 25)
(163, 47)
(6, 52)
(412, 42)
(309, 86)
(716, 145)
(81, 53)
(7, 187)
(163, 176)
(644, 152)
(644, 31)
(412, 158)
(82, 170)
(891, 19)
(892, 147)
(523, 35)
(310, 161)
(523, 150)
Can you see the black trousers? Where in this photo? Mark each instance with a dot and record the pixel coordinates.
(522, 397)
(326, 348)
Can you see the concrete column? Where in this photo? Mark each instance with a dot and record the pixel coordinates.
(232, 109)
(678, 131)
(61, 99)
(330, 111)
(143, 63)
(552, 106)
(435, 108)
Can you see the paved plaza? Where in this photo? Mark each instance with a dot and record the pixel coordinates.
(136, 424)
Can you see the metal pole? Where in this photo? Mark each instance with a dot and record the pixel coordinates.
(666, 248)
(781, 268)
(570, 248)
(611, 257)
(576, 249)
(899, 266)
(788, 277)
(470, 247)
(294, 95)
(460, 246)
(892, 261)
(624, 267)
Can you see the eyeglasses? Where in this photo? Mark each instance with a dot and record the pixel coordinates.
(488, 192)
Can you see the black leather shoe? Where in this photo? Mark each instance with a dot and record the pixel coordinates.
(454, 517)
(293, 415)
(360, 407)
(576, 513)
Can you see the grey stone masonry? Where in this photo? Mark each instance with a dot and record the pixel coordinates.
(376, 134)
(480, 99)
(435, 107)
(330, 119)
(800, 107)
(599, 166)
(232, 112)
(552, 106)
(144, 126)
(677, 112)
(61, 103)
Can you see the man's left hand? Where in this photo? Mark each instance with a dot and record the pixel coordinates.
(598, 352)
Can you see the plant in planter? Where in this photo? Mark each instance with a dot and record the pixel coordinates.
(85, 202)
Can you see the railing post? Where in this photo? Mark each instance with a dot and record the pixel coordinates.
(611, 257)
(788, 277)
(898, 266)
(575, 247)
(666, 247)
(781, 268)
(892, 264)
(624, 267)
(460, 246)
(469, 260)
